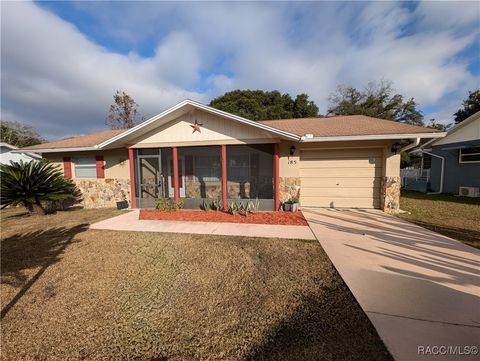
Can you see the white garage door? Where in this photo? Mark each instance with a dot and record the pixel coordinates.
(341, 178)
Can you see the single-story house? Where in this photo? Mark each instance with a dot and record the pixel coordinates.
(195, 152)
(453, 162)
(10, 153)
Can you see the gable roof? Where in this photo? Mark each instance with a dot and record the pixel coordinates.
(354, 127)
(183, 108)
(454, 129)
(346, 125)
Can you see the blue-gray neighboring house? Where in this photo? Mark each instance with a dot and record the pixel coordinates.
(452, 164)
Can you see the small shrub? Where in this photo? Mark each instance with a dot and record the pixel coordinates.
(243, 208)
(232, 208)
(216, 205)
(180, 204)
(169, 205)
(205, 206)
(292, 200)
(254, 205)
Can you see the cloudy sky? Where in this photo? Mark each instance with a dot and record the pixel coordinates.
(61, 62)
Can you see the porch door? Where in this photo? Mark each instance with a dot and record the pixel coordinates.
(181, 177)
(151, 179)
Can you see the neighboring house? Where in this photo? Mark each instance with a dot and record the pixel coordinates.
(194, 152)
(453, 161)
(6, 154)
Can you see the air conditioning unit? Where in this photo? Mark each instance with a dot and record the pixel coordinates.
(469, 192)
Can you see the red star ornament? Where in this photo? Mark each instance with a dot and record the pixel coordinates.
(196, 127)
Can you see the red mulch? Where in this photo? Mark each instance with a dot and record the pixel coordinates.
(283, 218)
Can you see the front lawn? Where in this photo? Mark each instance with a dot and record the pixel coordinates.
(452, 216)
(73, 293)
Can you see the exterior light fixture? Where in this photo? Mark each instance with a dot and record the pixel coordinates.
(292, 150)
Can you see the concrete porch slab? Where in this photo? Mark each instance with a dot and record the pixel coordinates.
(130, 222)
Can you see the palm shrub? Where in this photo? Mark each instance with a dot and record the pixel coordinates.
(31, 183)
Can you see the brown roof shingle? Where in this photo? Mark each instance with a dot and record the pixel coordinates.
(349, 125)
(88, 140)
(346, 125)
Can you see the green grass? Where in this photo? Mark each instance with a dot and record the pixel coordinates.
(452, 216)
(73, 293)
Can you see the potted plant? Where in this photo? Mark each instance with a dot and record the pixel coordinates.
(291, 205)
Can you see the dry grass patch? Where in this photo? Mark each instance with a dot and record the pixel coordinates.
(157, 296)
(452, 216)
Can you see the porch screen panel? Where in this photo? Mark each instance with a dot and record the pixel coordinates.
(201, 175)
(250, 173)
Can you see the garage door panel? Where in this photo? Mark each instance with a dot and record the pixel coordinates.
(340, 172)
(344, 178)
(341, 192)
(340, 202)
(334, 163)
(341, 153)
(338, 182)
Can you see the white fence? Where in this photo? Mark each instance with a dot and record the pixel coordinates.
(409, 175)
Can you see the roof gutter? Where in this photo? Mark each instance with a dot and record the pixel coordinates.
(307, 139)
(415, 143)
(55, 150)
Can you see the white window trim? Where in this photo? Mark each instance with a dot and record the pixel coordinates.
(463, 161)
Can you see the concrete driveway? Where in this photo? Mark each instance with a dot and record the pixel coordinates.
(421, 290)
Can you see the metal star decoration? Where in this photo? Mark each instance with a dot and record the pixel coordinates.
(196, 126)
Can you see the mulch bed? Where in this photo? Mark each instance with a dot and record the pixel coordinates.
(281, 218)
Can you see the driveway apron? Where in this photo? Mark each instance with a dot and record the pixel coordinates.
(421, 290)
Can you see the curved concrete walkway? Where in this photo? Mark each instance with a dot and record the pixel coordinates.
(418, 288)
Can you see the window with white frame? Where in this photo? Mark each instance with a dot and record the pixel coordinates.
(85, 167)
(469, 155)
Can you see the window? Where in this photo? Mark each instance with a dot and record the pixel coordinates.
(469, 155)
(85, 167)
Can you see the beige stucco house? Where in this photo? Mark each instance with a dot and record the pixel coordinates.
(194, 152)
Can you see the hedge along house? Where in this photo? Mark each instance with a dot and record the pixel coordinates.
(194, 152)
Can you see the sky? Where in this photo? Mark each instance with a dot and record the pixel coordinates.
(61, 62)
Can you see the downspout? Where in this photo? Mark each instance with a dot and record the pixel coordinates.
(414, 144)
(442, 170)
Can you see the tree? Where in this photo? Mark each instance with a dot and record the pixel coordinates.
(261, 105)
(376, 100)
(470, 106)
(19, 135)
(33, 182)
(123, 112)
(438, 126)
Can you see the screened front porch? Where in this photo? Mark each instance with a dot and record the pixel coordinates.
(224, 173)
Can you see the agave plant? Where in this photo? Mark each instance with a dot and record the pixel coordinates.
(31, 183)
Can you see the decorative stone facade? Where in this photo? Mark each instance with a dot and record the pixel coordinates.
(390, 196)
(100, 193)
(197, 189)
(289, 188)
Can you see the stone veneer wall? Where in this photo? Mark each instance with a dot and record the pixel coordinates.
(390, 197)
(289, 187)
(195, 189)
(100, 193)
